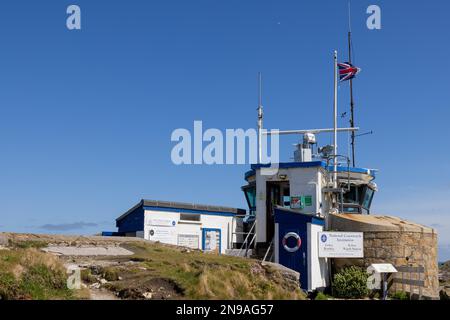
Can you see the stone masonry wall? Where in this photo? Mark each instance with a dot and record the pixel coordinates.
(401, 248)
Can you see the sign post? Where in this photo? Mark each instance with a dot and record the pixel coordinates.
(334, 244)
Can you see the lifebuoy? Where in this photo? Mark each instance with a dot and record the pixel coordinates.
(298, 244)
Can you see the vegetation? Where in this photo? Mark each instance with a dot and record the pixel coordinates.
(30, 274)
(198, 275)
(321, 296)
(26, 244)
(350, 283)
(155, 271)
(400, 295)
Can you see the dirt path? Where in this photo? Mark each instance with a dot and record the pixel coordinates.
(88, 250)
(101, 294)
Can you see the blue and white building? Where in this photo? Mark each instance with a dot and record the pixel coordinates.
(209, 228)
(290, 207)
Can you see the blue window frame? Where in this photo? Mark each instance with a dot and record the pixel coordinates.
(204, 235)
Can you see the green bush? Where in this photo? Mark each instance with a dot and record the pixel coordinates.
(400, 295)
(110, 274)
(350, 282)
(321, 296)
(87, 276)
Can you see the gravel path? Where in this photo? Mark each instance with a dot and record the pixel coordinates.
(88, 251)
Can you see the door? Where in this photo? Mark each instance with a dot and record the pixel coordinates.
(292, 242)
(277, 195)
(211, 240)
(272, 200)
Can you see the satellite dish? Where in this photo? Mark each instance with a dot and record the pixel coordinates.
(326, 151)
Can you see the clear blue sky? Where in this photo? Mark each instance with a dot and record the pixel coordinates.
(86, 116)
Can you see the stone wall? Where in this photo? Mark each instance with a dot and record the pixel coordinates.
(397, 242)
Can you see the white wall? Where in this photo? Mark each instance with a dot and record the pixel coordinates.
(161, 222)
(305, 182)
(302, 181)
(318, 274)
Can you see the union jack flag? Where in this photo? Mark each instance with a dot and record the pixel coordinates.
(347, 71)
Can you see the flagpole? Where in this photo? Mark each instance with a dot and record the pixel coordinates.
(335, 122)
(352, 115)
(260, 118)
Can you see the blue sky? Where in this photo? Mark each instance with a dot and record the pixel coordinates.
(86, 116)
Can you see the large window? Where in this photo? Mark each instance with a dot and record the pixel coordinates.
(250, 195)
(368, 196)
(358, 199)
(189, 217)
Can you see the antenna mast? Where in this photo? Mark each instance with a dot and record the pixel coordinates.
(260, 117)
(352, 114)
(335, 128)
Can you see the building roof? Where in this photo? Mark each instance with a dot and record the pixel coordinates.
(183, 206)
(362, 222)
(310, 164)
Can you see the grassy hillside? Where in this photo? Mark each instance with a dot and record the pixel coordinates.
(154, 271)
(197, 275)
(26, 273)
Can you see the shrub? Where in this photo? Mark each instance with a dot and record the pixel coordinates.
(321, 296)
(400, 295)
(350, 282)
(110, 274)
(87, 276)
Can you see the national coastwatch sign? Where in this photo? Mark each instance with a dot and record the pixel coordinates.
(334, 244)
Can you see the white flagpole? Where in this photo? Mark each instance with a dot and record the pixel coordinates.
(260, 118)
(335, 123)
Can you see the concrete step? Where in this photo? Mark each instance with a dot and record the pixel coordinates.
(239, 252)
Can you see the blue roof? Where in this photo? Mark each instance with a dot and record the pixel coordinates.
(181, 207)
(310, 164)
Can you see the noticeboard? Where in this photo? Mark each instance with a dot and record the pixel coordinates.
(335, 244)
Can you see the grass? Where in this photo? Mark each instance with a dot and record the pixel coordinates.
(322, 296)
(27, 244)
(201, 275)
(166, 271)
(30, 274)
(399, 295)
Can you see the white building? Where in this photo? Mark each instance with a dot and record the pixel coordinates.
(209, 228)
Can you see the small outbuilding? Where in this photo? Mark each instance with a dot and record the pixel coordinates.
(205, 227)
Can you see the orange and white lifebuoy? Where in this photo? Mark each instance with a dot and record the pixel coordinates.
(298, 243)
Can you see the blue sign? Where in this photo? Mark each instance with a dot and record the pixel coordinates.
(323, 238)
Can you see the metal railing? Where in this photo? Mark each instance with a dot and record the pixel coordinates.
(246, 245)
(267, 252)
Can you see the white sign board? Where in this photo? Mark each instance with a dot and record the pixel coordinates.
(383, 267)
(189, 240)
(162, 222)
(341, 244)
(163, 234)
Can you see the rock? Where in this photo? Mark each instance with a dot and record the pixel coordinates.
(119, 278)
(103, 281)
(95, 285)
(147, 295)
(3, 239)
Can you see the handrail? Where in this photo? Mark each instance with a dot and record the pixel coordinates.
(268, 249)
(251, 242)
(246, 239)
